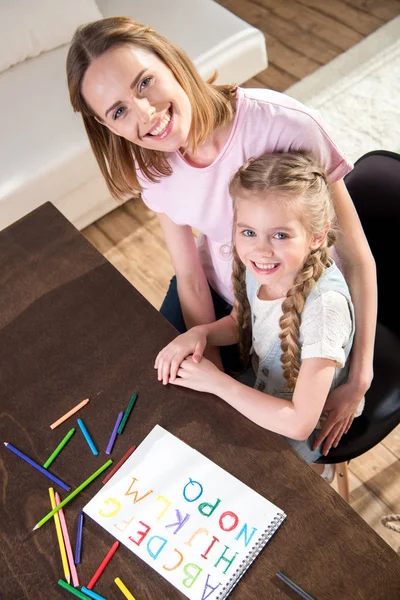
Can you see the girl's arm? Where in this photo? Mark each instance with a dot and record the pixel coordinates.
(295, 419)
(360, 274)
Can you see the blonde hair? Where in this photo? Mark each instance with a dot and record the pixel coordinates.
(298, 180)
(116, 156)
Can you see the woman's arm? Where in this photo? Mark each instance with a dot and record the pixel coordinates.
(223, 332)
(295, 419)
(193, 289)
(360, 273)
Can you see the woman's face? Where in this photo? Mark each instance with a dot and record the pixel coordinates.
(137, 97)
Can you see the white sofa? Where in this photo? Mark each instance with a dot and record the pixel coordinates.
(44, 152)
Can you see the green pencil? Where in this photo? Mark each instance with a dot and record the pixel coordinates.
(59, 448)
(73, 590)
(127, 413)
(72, 494)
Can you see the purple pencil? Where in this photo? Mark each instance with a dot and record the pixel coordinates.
(78, 547)
(114, 433)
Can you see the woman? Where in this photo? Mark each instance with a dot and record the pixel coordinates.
(157, 129)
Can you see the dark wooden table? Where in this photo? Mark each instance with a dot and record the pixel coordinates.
(72, 327)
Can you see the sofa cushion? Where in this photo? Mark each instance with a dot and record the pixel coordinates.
(215, 38)
(29, 27)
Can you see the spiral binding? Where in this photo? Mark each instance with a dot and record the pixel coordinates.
(251, 556)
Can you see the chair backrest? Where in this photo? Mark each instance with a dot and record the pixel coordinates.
(374, 186)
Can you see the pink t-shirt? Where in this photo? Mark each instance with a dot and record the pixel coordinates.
(265, 121)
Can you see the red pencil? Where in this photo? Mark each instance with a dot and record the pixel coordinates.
(118, 465)
(103, 565)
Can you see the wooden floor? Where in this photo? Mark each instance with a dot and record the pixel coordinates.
(301, 35)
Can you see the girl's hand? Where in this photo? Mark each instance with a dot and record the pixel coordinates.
(202, 377)
(341, 405)
(169, 359)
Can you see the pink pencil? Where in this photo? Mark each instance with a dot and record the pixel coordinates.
(67, 543)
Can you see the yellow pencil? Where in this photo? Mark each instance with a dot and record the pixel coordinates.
(60, 538)
(124, 589)
(69, 413)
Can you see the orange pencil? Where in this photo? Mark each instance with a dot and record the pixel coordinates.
(103, 565)
(69, 414)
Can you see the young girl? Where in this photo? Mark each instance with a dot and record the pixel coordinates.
(292, 303)
(158, 129)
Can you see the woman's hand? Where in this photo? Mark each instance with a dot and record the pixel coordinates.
(170, 358)
(203, 376)
(341, 405)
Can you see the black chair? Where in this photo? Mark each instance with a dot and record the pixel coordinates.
(374, 186)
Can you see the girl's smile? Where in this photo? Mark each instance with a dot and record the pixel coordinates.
(271, 242)
(134, 94)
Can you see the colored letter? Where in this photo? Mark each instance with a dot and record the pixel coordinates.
(116, 525)
(204, 596)
(243, 531)
(142, 534)
(113, 512)
(235, 518)
(210, 546)
(168, 504)
(203, 507)
(180, 522)
(191, 482)
(229, 561)
(177, 564)
(201, 530)
(150, 550)
(135, 493)
(190, 578)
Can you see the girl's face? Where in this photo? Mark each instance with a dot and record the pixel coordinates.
(272, 243)
(137, 97)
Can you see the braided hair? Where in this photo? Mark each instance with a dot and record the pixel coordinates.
(297, 179)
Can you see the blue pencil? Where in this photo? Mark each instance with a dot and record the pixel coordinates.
(78, 547)
(37, 466)
(92, 594)
(114, 433)
(87, 437)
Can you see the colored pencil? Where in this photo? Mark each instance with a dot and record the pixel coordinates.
(73, 494)
(87, 437)
(103, 565)
(69, 414)
(78, 547)
(67, 542)
(60, 446)
(127, 413)
(114, 433)
(60, 538)
(73, 590)
(37, 466)
(293, 586)
(92, 594)
(124, 589)
(119, 464)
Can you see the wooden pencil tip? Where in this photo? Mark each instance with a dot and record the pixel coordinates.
(6, 443)
(36, 527)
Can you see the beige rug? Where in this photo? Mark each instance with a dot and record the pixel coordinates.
(358, 94)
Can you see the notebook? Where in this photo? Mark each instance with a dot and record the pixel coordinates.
(189, 519)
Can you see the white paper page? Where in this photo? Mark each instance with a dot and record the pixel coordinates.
(190, 520)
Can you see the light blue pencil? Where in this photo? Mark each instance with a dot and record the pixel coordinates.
(87, 437)
(92, 594)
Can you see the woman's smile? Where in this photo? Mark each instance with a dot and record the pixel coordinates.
(135, 95)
